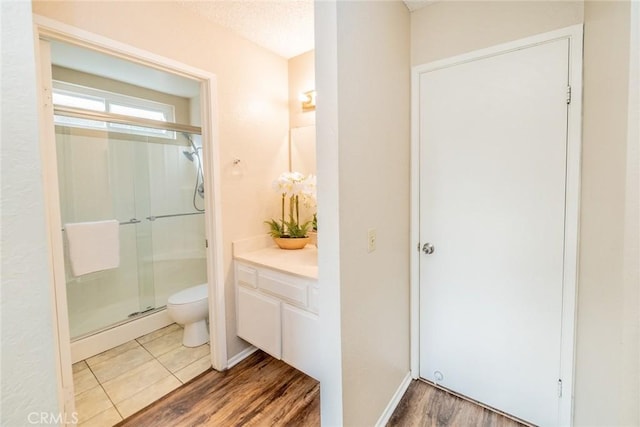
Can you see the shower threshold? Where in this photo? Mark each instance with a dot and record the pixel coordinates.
(95, 342)
(131, 317)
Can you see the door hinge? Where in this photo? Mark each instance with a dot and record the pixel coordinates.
(559, 388)
(418, 246)
(568, 94)
(206, 243)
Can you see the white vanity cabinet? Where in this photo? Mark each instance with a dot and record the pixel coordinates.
(300, 332)
(278, 313)
(259, 320)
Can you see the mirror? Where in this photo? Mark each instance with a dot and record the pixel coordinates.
(302, 149)
(302, 119)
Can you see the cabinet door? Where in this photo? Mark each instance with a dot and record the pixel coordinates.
(300, 333)
(258, 320)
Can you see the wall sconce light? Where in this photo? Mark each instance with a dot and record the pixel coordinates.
(308, 100)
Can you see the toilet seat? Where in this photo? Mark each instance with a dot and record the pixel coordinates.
(189, 295)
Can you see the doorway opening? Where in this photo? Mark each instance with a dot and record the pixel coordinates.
(128, 138)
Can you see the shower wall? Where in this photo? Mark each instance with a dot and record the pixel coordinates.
(179, 255)
(117, 176)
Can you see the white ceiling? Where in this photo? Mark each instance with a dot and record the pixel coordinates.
(284, 27)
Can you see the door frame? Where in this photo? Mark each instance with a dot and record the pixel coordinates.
(574, 35)
(47, 28)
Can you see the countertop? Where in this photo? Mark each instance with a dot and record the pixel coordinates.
(301, 262)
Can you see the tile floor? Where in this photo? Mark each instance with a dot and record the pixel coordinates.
(119, 382)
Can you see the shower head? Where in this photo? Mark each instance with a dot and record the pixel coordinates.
(190, 155)
(188, 138)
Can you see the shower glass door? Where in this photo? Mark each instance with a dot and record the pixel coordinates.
(104, 178)
(150, 186)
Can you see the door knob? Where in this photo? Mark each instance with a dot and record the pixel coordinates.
(428, 248)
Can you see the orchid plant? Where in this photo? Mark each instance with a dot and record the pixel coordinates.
(295, 187)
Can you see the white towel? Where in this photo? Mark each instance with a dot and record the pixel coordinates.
(93, 246)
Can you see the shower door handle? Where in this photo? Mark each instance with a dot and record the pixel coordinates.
(131, 221)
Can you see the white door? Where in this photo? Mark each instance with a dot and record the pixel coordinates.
(493, 144)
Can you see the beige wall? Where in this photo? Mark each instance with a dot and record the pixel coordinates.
(252, 103)
(607, 355)
(302, 78)
(29, 382)
(445, 29)
(606, 387)
(632, 222)
(373, 80)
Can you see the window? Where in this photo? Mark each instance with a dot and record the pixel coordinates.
(75, 96)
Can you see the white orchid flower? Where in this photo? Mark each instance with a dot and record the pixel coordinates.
(289, 184)
(293, 186)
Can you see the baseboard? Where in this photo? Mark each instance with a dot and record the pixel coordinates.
(393, 403)
(241, 356)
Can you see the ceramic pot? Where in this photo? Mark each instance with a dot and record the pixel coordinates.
(291, 242)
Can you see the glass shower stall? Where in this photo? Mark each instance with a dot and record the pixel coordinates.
(147, 178)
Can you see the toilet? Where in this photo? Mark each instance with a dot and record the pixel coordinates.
(190, 308)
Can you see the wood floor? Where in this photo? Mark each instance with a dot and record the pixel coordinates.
(259, 391)
(426, 405)
(262, 391)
